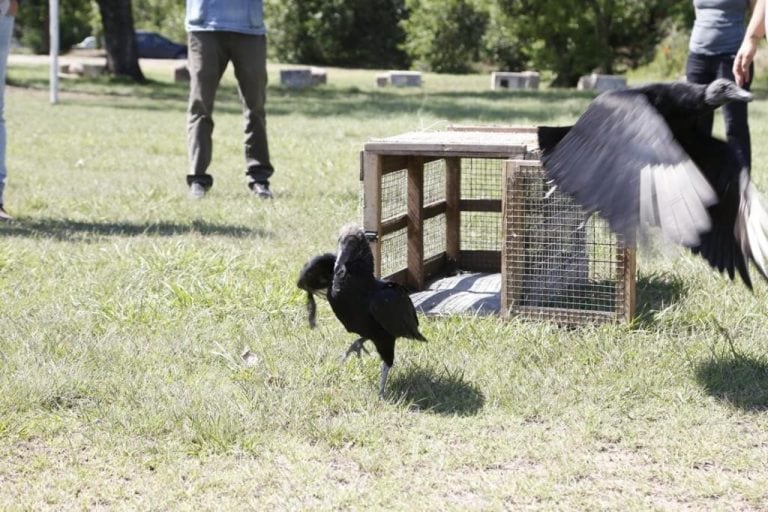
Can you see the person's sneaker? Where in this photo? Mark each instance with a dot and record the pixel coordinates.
(262, 190)
(196, 191)
(4, 215)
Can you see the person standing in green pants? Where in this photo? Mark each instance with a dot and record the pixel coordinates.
(219, 32)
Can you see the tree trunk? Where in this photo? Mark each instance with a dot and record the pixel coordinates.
(122, 54)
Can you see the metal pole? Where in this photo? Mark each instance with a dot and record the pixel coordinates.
(54, 32)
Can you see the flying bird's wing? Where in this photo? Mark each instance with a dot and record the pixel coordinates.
(315, 278)
(621, 159)
(392, 308)
(739, 230)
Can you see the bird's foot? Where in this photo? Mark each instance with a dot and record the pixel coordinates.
(384, 374)
(356, 347)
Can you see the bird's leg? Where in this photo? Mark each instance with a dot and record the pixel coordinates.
(384, 373)
(356, 347)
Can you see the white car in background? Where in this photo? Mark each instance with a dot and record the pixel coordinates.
(89, 43)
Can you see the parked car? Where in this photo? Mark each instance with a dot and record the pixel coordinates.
(89, 43)
(152, 45)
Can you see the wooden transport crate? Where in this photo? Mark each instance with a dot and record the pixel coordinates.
(439, 202)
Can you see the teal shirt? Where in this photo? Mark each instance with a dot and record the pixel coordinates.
(244, 16)
(719, 26)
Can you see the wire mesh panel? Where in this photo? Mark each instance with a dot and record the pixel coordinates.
(481, 190)
(432, 200)
(558, 262)
(481, 178)
(393, 252)
(394, 194)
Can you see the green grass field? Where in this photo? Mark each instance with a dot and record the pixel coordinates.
(125, 308)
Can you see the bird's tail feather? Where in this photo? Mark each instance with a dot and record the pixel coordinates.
(752, 226)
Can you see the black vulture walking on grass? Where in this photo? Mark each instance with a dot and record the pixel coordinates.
(373, 309)
(636, 157)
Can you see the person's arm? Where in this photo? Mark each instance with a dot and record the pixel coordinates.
(755, 32)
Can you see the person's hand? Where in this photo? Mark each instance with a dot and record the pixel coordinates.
(743, 59)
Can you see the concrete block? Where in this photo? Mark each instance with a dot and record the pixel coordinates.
(86, 69)
(181, 74)
(405, 78)
(93, 70)
(319, 76)
(514, 80)
(598, 82)
(296, 78)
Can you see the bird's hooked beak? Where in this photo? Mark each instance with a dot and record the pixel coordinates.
(339, 267)
(736, 93)
(722, 91)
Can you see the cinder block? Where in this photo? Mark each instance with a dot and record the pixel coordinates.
(598, 82)
(319, 76)
(93, 70)
(84, 69)
(296, 78)
(514, 80)
(181, 74)
(405, 78)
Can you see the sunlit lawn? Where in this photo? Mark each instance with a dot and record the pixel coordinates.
(125, 308)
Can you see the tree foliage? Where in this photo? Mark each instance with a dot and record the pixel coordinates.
(33, 21)
(445, 35)
(163, 16)
(574, 37)
(348, 33)
(567, 37)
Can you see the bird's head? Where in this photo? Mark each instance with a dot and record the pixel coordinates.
(723, 91)
(353, 247)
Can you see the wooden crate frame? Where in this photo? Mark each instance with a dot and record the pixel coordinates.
(411, 151)
(515, 171)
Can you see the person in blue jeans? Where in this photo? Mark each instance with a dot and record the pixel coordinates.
(8, 11)
(715, 39)
(219, 32)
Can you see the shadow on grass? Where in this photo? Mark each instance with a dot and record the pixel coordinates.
(655, 293)
(739, 380)
(63, 229)
(446, 393)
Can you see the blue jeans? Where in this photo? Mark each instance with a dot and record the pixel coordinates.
(703, 69)
(6, 31)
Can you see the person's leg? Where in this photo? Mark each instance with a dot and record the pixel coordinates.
(207, 61)
(735, 116)
(699, 69)
(249, 57)
(6, 31)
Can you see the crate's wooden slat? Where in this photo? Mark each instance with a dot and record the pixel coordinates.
(372, 203)
(453, 208)
(415, 219)
(481, 205)
(398, 222)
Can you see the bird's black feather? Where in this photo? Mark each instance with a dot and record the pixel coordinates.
(375, 310)
(316, 278)
(637, 157)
